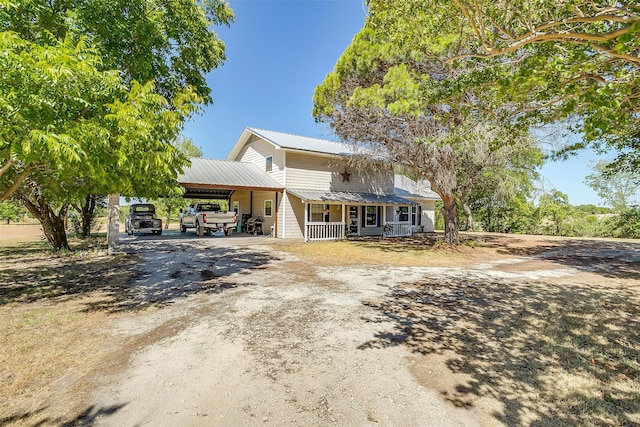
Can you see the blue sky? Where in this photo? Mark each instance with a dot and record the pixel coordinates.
(278, 51)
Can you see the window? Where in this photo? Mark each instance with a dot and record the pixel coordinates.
(268, 204)
(403, 213)
(371, 216)
(318, 213)
(269, 164)
(414, 215)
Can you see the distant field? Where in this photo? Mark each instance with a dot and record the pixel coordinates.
(20, 232)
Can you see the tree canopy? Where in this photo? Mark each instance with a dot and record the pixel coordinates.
(94, 94)
(404, 105)
(552, 60)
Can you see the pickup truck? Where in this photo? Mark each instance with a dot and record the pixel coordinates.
(206, 218)
(142, 219)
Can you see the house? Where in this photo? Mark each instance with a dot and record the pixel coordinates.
(305, 188)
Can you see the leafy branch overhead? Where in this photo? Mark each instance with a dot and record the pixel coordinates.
(95, 93)
(551, 60)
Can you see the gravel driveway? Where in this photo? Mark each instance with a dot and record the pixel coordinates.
(252, 335)
(272, 340)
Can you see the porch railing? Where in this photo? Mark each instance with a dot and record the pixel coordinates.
(325, 231)
(396, 229)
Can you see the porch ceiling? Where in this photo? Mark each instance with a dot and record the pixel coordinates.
(346, 197)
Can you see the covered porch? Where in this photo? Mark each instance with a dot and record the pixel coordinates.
(330, 215)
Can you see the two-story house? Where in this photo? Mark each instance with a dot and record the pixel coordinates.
(305, 188)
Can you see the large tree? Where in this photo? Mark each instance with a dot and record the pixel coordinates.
(615, 189)
(576, 60)
(402, 106)
(94, 95)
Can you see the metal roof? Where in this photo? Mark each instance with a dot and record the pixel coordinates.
(209, 178)
(347, 197)
(303, 143)
(406, 187)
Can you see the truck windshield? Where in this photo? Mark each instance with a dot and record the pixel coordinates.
(209, 207)
(143, 209)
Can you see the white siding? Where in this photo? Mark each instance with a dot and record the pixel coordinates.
(256, 151)
(294, 212)
(427, 219)
(314, 172)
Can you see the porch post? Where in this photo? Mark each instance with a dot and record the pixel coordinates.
(306, 215)
(275, 225)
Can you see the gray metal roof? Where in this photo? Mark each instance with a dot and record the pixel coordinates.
(218, 178)
(406, 187)
(303, 143)
(346, 197)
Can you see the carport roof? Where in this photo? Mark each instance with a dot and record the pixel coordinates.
(347, 197)
(209, 178)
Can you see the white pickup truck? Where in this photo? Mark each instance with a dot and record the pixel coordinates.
(207, 218)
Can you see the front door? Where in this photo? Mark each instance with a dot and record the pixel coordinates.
(353, 221)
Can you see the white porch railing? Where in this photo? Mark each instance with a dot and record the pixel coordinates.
(325, 231)
(396, 229)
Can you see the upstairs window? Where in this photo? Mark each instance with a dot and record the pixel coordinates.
(269, 164)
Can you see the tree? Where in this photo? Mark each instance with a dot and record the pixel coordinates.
(553, 211)
(175, 200)
(399, 105)
(10, 211)
(615, 189)
(72, 125)
(554, 60)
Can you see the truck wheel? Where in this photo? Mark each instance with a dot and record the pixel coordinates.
(183, 229)
(199, 229)
(159, 232)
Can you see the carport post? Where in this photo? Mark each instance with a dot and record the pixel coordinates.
(113, 223)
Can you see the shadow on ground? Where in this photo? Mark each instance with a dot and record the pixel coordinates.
(148, 273)
(610, 258)
(87, 418)
(550, 355)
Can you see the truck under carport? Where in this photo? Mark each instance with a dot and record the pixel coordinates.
(220, 179)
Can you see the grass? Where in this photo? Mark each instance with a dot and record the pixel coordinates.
(53, 311)
(419, 251)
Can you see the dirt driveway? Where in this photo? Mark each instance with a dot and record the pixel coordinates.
(252, 334)
(273, 340)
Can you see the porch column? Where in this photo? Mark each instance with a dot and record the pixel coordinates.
(306, 215)
(275, 225)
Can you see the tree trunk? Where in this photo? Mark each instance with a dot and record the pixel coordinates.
(52, 224)
(87, 213)
(450, 215)
(469, 214)
(166, 223)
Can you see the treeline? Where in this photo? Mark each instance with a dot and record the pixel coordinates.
(551, 215)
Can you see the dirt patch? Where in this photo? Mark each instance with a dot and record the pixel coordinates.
(508, 330)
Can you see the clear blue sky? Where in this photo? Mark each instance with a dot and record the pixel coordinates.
(278, 51)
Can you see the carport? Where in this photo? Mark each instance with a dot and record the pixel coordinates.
(220, 179)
